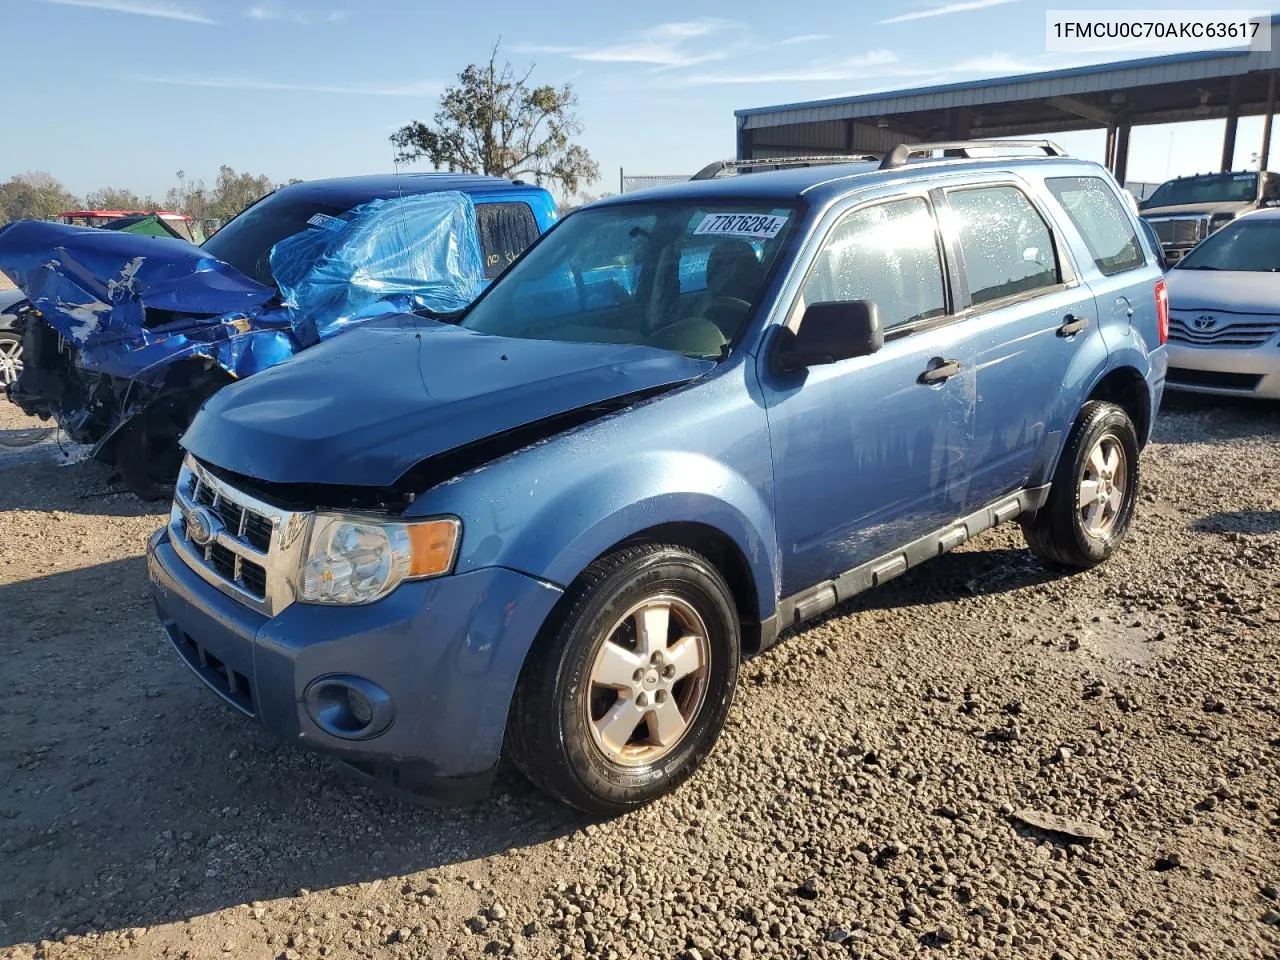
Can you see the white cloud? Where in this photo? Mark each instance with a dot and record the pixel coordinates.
(666, 45)
(263, 11)
(805, 38)
(962, 7)
(164, 9)
(420, 89)
(995, 63)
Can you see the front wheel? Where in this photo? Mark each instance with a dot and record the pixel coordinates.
(10, 357)
(627, 691)
(1094, 491)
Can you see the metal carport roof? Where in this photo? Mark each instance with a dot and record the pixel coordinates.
(1115, 96)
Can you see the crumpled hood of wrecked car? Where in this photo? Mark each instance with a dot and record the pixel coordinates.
(90, 283)
(364, 408)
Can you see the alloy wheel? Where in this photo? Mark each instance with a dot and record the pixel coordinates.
(1102, 486)
(648, 681)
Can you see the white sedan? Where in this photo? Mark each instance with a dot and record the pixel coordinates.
(1224, 311)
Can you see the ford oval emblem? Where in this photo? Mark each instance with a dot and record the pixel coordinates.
(1206, 321)
(202, 526)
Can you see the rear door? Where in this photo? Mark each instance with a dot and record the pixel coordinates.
(1032, 319)
(1122, 281)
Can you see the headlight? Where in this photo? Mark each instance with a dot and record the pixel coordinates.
(358, 560)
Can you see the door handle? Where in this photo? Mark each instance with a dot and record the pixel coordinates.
(941, 370)
(1073, 325)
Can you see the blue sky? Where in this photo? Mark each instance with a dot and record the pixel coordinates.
(126, 92)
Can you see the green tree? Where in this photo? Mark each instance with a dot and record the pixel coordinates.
(113, 198)
(34, 196)
(494, 122)
(235, 191)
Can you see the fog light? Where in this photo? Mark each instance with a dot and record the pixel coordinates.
(351, 708)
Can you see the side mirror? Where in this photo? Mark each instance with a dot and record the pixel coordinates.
(831, 332)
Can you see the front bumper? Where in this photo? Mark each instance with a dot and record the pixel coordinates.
(447, 652)
(1226, 371)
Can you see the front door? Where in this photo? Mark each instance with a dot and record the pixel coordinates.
(869, 453)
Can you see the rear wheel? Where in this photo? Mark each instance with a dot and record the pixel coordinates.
(1094, 491)
(627, 692)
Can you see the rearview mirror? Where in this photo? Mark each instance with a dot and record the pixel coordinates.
(831, 332)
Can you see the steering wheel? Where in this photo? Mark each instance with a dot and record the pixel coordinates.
(736, 310)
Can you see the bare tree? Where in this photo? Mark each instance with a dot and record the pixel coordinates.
(493, 122)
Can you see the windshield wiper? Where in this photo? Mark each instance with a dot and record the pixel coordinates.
(1204, 267)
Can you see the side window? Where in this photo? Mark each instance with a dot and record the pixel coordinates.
(1007, 246)
(1271, 190)
(1096, 212)
(505, 230)
(887, 253)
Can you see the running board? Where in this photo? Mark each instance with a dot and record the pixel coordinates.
(819, 599)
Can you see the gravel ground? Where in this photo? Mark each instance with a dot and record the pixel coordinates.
(885, 787)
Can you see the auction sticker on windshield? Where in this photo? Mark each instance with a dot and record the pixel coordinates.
(758, 226)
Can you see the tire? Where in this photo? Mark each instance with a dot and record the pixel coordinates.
(147, 453)
(1064, 533)
(559, 704)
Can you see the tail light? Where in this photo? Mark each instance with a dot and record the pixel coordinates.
(1162, 310)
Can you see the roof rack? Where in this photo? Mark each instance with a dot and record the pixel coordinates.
(712, 170)
(899, 155)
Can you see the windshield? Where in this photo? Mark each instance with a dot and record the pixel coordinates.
(246, 241)
(1210, 188)
(678, 276)
(1250, 244)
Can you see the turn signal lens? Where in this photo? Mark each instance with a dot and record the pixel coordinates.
(434, 544)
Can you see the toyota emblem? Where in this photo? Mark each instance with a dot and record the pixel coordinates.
(202, 526)
(1206, 321)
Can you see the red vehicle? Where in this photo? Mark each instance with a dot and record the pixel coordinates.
(181, 223)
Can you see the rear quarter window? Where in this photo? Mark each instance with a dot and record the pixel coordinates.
(1101, 219)
(505, 230)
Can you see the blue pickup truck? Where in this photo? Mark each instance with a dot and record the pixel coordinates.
(551, 527)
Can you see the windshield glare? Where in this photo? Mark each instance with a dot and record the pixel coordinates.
(1249, 244)
(1211, 188)
(678, 276)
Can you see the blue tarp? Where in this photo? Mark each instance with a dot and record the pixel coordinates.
(423, 247)
(133, 305)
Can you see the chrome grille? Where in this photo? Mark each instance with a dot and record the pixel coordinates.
(1182, 231)
(249, 552)
(1225, 332)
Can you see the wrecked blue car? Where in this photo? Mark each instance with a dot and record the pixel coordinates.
(126, 336)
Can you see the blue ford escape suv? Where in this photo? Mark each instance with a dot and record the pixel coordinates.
(684, 421)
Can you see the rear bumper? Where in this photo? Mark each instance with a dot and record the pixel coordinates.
(447, 653)
(1226, 371)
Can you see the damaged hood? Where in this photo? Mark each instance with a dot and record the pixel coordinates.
(363, 409)
(98, 285)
